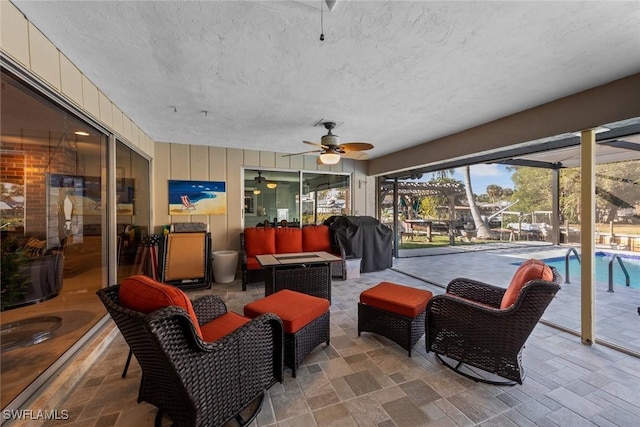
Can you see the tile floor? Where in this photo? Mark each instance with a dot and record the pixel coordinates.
(370, 381)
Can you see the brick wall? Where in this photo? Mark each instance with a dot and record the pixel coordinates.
(29, 164)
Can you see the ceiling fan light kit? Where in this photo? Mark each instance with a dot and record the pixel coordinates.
(329, 158)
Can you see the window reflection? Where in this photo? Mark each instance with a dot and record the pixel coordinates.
(54, 232)
(132, 209)
(277, 196)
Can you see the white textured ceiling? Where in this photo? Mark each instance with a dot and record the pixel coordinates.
(395, 74)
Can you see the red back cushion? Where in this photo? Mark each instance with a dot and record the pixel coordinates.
(288, 240)
(260, 240)
(145, 295)
(529, 270)
(316, 238)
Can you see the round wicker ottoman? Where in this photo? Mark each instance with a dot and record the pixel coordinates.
(305, 319)
(394, 311)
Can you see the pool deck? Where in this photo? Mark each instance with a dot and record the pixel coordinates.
(617, 319)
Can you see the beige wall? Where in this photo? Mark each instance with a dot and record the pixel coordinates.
(24, 43)
(196, 162)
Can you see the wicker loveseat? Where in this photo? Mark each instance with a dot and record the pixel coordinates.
(267, 240)
(201, 365)
(483, 326)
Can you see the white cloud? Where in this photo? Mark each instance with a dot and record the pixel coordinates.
(486, 170)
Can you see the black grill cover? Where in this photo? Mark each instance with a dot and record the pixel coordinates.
(363, 237)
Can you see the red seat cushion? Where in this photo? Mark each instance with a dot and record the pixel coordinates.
(145, 295)
(294, 308)
(260, 240)
(316, 238)
(253, 264)
(222, 326)
(399, 299)
(288, 240)
(532, 269)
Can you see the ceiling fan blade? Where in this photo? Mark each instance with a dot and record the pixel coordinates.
(355, 155)
(304, 152)
(315, 143)
(356, 146)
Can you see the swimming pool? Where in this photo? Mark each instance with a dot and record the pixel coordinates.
(631, 262)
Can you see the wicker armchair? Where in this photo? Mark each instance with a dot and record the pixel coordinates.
(199, 383)
(466, 324)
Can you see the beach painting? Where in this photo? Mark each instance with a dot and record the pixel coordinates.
(197, 197)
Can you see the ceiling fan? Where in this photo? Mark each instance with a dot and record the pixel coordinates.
(260, 179)
(332, 150)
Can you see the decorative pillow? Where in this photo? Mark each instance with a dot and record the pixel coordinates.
(288, 240)
(260, 240)
(316, 238)
(145, 295)
(532, 269)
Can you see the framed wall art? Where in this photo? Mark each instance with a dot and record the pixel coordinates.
(197, 197)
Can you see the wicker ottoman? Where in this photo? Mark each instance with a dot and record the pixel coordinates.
(394, 311)
(305, 319)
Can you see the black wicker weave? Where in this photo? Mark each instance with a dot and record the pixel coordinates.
(312, 279)
(297, 346)
(197, 383)
(467, 325)
(403, 330)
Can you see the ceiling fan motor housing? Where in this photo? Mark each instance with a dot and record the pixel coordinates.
(330, 140)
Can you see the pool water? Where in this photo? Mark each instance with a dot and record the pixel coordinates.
(602, 259)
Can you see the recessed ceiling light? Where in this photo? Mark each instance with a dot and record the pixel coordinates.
(81, 133)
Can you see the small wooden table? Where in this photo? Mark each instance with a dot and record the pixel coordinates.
(420, 222)
(306, 272)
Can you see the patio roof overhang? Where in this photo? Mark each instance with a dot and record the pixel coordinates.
(620, 143)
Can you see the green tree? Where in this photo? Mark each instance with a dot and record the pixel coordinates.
(429, 206)
(495, 192)
(532, 188)
(617, 187)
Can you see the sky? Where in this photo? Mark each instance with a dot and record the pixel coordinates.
(483, 175)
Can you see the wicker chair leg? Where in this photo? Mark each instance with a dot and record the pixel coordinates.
(257, 403)
(158, 420)
(477, 377)
(126, 365)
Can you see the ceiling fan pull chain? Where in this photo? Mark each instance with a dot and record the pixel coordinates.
(321, 22)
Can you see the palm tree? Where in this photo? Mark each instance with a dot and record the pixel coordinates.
(483, 231)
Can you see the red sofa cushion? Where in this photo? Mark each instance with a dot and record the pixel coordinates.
(399, 299)
(532, 269)
(260, 241)
(288, 240)
(253, 264)
(294, 308)
(316, 238)
(222, 326)
(145, 295)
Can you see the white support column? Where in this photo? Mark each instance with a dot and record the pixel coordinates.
(587, 231)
